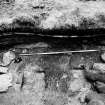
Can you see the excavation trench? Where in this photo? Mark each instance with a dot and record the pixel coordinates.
(52, 52)
(42, 69)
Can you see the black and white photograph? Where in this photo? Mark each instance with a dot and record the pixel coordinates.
(52, 52)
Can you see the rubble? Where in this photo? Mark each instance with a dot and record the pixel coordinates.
(51, 14)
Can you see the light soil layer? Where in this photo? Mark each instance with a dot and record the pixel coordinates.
(52, 14)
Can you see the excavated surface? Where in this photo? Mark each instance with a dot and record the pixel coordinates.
(51, 80)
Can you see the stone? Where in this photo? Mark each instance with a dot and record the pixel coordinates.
(73, 102)
(99, 67)
(5, 82)
(3, 69)
(100, 87)
(78, 81)
(95, 99)
(103, 56)
(8, 57)
(80, 86)
(96, 102)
